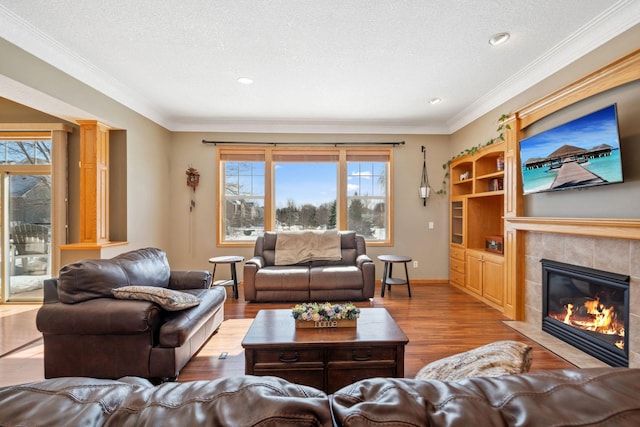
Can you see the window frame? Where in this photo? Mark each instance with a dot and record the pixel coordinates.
(268, 154)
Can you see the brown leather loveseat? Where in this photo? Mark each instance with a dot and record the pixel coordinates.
(349, 278)
(128, 315)
(576, 397)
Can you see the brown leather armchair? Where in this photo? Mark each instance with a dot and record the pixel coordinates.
(88, 332)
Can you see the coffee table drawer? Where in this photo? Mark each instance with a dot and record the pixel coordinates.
(288, 356)
(362, 354)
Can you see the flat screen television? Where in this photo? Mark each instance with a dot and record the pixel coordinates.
(584, 152)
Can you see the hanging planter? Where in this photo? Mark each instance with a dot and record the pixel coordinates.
(425, 190)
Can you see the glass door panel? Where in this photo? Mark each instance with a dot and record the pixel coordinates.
(29, 230)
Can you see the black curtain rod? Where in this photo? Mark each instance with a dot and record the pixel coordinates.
(297, 144)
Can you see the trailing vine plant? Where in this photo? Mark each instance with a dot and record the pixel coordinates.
(447, 166)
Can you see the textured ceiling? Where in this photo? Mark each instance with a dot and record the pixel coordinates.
(332, 65)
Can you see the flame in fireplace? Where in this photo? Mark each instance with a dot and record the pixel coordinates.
(567, 317)
(603, 316)
(593, 316)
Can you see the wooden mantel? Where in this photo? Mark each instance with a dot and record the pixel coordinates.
(628, 229)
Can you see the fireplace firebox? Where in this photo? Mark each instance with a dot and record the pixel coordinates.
(588, 309)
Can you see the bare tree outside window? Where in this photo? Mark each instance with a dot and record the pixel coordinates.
(244, 199)
(366, 198)
(30, 194)
(36, 152)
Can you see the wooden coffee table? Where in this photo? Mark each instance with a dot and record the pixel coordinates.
(327, 358)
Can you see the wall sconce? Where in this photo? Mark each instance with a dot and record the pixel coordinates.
(425, 190)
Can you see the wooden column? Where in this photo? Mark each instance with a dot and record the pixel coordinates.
(94, 182)
(513, 239)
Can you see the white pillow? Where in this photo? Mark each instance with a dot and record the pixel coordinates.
(491, 360)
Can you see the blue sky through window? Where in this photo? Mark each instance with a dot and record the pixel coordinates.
(305, 183)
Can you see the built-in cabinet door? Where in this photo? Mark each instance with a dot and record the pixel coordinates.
(493, 284)
(485, 275)
(474, 273)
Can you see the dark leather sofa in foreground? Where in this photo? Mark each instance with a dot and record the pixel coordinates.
(130, 315)
(594, 397)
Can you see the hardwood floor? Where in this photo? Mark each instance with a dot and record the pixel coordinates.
(439, 321)
(14, 330)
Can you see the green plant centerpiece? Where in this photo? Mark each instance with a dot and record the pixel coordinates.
(446, 166)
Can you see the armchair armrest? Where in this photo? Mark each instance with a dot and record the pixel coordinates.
(362, 259)
(368, 267)
(99, 316)
(257, 261)
(251, 268)
(189, 279)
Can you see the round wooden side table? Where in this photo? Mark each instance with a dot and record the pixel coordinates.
(387, 279)
(231, 260)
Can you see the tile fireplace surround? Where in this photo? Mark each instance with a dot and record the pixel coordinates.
(614, 255)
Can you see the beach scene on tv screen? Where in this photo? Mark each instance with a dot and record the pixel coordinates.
(583, 152)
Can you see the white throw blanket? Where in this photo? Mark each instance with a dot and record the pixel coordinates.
(303, 246)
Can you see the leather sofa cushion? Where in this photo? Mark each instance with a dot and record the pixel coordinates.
(88, 279)
(282, 278)
(180, 326)
(598, 396)
(224, 402)
(335, 277)
(63, 402)
(348, 251)
(269, 248)
(232, 401)
(190, 279)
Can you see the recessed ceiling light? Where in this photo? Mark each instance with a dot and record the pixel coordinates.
(245, 80)
(434, 101)
(499, 39)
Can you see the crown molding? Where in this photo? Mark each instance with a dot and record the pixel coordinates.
(613, 22)
(305, 126)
